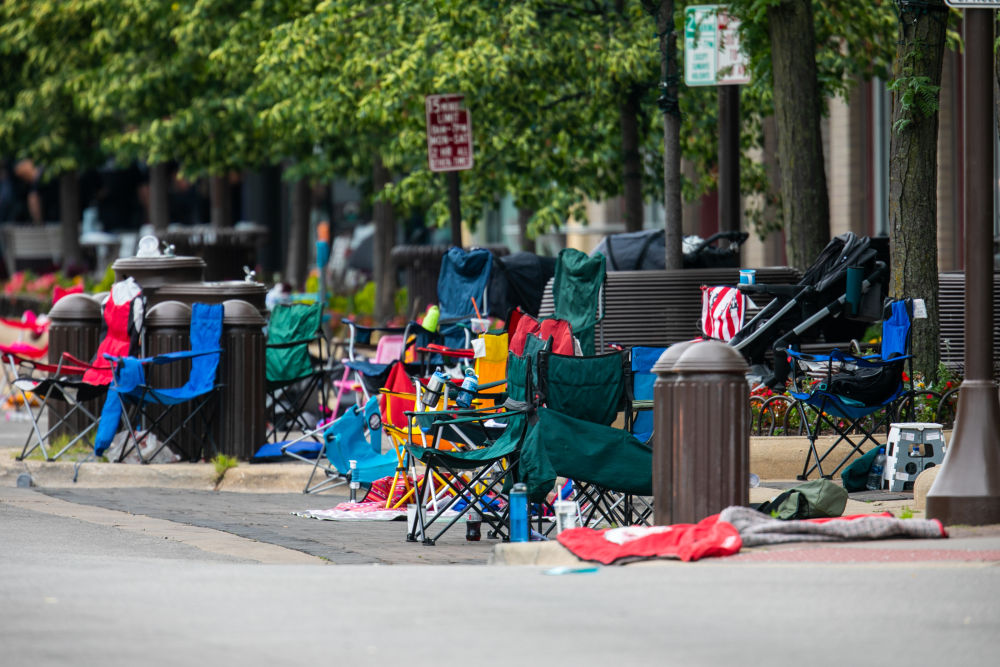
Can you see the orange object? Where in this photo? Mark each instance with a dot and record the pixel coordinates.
(323, 232)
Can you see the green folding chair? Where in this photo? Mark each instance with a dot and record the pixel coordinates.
(578, 294)
(475, 477)
(294, 376)
(573, 437)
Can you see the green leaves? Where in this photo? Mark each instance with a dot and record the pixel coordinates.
(918, 98)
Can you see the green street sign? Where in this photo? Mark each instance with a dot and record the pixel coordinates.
(712, 53)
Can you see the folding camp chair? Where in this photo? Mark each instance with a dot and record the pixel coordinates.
(476, 476)
(369, 375)
(639, 385)
(75, 383)
(578, 294)
(858, 399)
(294, 375)
(12, 353)
(150, 405)
(574, 438)
(462, 291)
(355, 437)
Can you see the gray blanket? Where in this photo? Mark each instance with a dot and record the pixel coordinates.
(757, 529)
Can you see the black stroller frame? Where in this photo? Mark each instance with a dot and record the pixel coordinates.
(821, 295)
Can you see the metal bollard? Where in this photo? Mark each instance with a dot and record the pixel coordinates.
(663, 418)
(240, 425)
(708, 441)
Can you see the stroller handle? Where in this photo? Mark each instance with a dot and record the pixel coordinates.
(774, 290)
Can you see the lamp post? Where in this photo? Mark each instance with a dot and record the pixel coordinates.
(967, 489)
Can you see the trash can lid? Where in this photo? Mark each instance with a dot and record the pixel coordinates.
(237, 311)
(711, 356)
(216, 292)
(154, 272)
(169, 313)
(76, 307)
(164, 262)
(665, 364)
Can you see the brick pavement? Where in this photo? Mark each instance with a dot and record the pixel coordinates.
(267, 517)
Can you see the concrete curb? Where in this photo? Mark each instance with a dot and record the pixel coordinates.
(771, 458)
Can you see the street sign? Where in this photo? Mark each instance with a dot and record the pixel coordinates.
(712, 53)
(449, 133)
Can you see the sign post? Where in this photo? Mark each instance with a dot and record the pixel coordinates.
(713, 57)
(449, 149)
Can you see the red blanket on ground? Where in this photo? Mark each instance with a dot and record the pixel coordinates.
(686, 541)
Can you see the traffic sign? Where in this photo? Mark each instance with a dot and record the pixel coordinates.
(449, 133)
(712, 52)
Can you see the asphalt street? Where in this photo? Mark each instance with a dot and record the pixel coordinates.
(78, 593)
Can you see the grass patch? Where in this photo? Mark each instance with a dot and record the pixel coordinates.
(222, 464)
(81, 449)
(906, 513)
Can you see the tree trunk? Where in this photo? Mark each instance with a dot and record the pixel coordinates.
(631, 160)
(298, 235)
(221, 203)
(69, 218)
(668, 102)
(385, 239)
(159, 203)
(523, 242)
(913, 176)
(797, 111)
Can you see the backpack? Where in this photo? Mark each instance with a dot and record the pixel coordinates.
(868, 386)
(817, 499)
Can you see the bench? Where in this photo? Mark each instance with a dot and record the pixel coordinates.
(659, 308)
(37, 247)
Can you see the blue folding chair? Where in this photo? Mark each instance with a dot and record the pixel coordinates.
(355, 436)
(464, 278)
(151, 405)
(847, 400)
(641, 362)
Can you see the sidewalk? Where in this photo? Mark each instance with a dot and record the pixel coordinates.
(255, 503)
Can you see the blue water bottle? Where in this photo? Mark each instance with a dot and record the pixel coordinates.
(519, 513)
(469, 386)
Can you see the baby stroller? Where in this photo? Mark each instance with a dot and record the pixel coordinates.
(646, 250)
(836, 300)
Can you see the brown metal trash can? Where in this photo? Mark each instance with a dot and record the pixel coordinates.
(663, 419)
(240, 426)
(167, 329)
(75, 328)
(709, 437)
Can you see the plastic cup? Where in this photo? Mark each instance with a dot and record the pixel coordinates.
(567, 512)
(480, 325)
(748, 276)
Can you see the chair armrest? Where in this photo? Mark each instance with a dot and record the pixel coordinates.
(165, 358)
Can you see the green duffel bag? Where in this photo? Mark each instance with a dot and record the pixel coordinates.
(855, 476)
(817, 499)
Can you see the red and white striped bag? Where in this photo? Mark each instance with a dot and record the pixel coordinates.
(722, 310)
